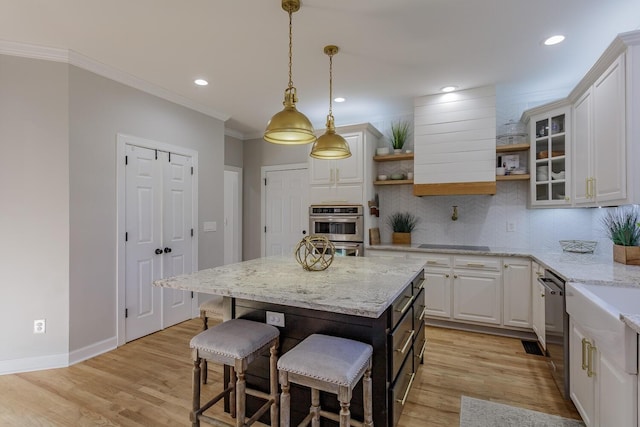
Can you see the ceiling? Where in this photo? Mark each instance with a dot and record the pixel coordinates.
(390, 50)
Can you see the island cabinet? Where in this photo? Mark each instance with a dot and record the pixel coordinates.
(397, 337)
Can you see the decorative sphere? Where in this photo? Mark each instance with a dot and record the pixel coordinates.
(315, 253)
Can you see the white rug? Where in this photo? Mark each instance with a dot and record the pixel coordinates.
(482, 413)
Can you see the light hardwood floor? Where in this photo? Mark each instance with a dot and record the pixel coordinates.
(148, 383)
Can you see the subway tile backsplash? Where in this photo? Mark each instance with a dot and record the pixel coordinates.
(483, 220)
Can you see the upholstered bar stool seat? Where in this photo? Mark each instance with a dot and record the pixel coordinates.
(210, 309)
(331, 364)
(235, 343)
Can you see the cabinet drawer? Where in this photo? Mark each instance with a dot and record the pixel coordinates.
(418, 283)
(399, 392)
(478, 262)
(419, 309)
(401, 343)
(419, 346)
(436, 260)
(401, 305)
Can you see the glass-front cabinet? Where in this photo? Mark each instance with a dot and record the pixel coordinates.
(549, 133)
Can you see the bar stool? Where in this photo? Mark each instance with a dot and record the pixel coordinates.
(235, 343)
(331, 364)
(210, 309)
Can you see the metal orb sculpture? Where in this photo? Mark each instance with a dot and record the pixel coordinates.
(315, 253)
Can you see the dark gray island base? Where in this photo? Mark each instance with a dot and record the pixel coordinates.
(398, 341)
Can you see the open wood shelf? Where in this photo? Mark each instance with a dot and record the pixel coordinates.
(524, 177)
(393, 182)
(509, 148)
(393, 157)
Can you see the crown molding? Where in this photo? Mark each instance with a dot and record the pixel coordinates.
(81, 61)
(234, 133)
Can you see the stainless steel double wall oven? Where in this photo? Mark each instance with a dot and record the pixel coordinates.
(343, 225)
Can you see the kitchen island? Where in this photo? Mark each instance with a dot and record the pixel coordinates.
(377, 301)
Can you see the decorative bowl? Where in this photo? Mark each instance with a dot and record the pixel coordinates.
(382, 177)
(397, 176)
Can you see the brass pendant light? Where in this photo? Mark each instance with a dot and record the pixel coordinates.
(290, 126)
(330, 145)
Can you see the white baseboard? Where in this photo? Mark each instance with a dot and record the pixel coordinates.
(34, 363)
(92, 350)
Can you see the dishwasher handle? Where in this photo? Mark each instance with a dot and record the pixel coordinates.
(545, 282)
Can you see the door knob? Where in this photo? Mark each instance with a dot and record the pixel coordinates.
(304, 231)
(167, 250)
(158, 251)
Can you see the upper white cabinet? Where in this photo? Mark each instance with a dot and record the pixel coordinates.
(455, 143)
(347, 180)
(550, 158)
(600, 139)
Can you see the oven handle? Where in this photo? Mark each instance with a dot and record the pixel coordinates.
(548, 288)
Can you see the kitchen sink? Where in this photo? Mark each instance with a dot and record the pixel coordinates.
(597, 308)
(458, 247)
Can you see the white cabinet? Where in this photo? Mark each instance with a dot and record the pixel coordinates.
(516, 278)
(603, 393)
(549, 158)
(537, 304)
(600, 139)
(438, 285)
(477, 289)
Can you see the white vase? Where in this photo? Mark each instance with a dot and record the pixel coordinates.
(397, 151)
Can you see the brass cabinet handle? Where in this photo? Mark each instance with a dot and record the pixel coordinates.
(584, 354)
(406, 392)
(424, 347)
(475, 264)
(430, 261)
(592, 349)
(407, 343)
(421, 284)
(539, 273)
(424, 312)
(407, 305)
(586, 182)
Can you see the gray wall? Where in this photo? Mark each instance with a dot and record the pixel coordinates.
(34, 219)
(99, 109)
(258, 153)
(58, 126)
(233, 151)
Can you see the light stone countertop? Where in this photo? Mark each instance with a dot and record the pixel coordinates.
(573, 267)
(358, 286)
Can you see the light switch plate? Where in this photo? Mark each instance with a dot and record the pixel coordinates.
(210, 226)
(275, 319)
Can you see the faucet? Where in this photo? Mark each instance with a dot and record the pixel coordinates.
(454, 217)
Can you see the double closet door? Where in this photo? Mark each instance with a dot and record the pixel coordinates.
(159, 238)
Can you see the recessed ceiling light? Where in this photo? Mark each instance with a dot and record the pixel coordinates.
(201, 82)
(554, 40)
(449, 88)
(339, 99)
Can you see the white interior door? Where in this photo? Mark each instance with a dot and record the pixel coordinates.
(286, 210)
(144, 240)
(232, 215)
(159, 223)
(177, 225)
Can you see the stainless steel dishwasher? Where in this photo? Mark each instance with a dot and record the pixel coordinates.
(556, 329)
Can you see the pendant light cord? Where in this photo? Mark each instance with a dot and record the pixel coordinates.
(330, 85)
(290, 48)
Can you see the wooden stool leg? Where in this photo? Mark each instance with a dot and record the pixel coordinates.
(367, 398)
(232, 394)
(241, 398)
(284, 400)
(315, 407)
(195, 407)
(273, 378)
(345, 414)
(205, 367)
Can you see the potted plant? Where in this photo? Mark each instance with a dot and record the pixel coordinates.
(621, 226)
(399, 134)
(402, 224)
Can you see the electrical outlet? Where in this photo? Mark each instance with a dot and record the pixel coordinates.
(275, 319)
(39, 326)
(511, 226)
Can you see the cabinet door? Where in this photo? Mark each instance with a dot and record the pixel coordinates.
(516, 278)
(477, 296)
(351, 169)
(438, 292)
(582, 153)
(609, 134)
(581, 386)
(617, 392)
(321, 172)
(537, 304)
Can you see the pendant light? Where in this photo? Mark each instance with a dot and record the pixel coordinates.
(290, 126)
(330, 145)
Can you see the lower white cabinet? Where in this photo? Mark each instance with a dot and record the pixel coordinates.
(516, 278)
(603, 393)
(438, 285)
(477, 296)
(537, 304)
